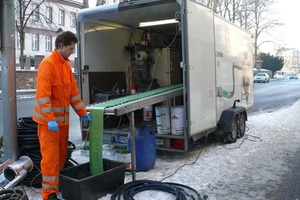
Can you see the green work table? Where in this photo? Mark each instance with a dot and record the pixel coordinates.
(118, 107)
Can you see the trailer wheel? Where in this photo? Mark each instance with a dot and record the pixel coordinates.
(241, 125)
(231, 137)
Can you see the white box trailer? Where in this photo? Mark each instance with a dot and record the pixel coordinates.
(187, 44)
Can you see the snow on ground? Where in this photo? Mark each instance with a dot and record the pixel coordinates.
(251, 168)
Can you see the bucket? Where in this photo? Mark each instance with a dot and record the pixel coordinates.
(177, 120)
(123, 156)
(163, 119)
(145, 148)
(147, 113)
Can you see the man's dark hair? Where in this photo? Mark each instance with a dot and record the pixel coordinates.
(66, 37)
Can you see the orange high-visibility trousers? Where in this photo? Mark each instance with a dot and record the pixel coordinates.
(54, 149)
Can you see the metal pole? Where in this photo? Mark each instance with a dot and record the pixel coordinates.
(8, 80)
(132, 146)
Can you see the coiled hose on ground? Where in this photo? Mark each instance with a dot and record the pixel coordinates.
(181, 192)
(13, 195)
(29, 145)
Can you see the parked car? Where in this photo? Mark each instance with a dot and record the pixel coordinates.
(294, 76)
(261, 77)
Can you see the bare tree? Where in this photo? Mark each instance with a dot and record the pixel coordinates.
(32, 15)
(244, 15)
(263, 21)
(252, 15)
(24, 12)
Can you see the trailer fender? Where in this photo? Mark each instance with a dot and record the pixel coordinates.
(227, 117)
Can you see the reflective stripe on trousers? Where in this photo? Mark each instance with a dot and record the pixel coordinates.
(54, 149)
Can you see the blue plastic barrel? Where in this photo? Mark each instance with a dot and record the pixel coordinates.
(145, 148)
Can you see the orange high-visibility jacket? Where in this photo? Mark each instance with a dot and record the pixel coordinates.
(56, 90)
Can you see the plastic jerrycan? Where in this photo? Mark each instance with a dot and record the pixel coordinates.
(145, 148)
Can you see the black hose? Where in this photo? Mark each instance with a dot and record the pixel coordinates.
(28, 143)
(130, 189)
(13, 195)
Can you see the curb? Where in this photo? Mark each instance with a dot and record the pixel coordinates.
(23, 94)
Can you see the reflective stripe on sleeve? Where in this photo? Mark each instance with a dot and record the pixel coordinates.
(45, 110)
(43, 100)
(37, 115)
(78, 106)
(73, 99)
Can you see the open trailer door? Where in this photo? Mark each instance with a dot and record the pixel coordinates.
(201, 71)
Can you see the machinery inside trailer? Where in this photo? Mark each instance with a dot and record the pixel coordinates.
(146, 55)
(141, 54)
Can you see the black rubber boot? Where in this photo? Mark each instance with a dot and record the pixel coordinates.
(52, 197)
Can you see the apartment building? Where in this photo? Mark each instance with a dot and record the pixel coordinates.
(46, 18)
(291, 59)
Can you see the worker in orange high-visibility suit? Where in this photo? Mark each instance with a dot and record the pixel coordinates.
(56, 90)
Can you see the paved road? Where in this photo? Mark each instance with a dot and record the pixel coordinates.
(276, 94)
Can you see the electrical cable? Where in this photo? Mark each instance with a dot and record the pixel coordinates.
(246, 137)
(29, 145)
(13, 195)
(181, 192)
(187, 163)
(130, 189)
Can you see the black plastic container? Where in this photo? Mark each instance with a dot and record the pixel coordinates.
(77, 183)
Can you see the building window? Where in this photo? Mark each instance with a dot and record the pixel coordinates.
(35, 12)
(61, 17)
(35, 42)
(18, 41)
(49, 14)
(73, 19)
(48, 43)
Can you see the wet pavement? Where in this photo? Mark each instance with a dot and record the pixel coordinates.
(289, 188)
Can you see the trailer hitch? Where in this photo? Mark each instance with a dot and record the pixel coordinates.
(234, 106)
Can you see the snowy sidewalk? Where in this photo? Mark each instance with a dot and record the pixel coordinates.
(252, 168)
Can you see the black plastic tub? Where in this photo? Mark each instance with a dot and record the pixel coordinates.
(77, 182)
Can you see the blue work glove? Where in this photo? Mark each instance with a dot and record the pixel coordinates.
(86, 118)
(52, 125)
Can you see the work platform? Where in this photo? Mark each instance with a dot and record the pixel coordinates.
(118, 107)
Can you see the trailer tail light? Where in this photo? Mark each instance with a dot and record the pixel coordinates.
(177, 143)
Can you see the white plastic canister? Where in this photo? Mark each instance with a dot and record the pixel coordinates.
(163, 122)
(177, 120)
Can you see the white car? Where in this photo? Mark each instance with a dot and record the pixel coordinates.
(261, 77)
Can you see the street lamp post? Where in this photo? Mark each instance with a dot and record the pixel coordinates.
(258, 65)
